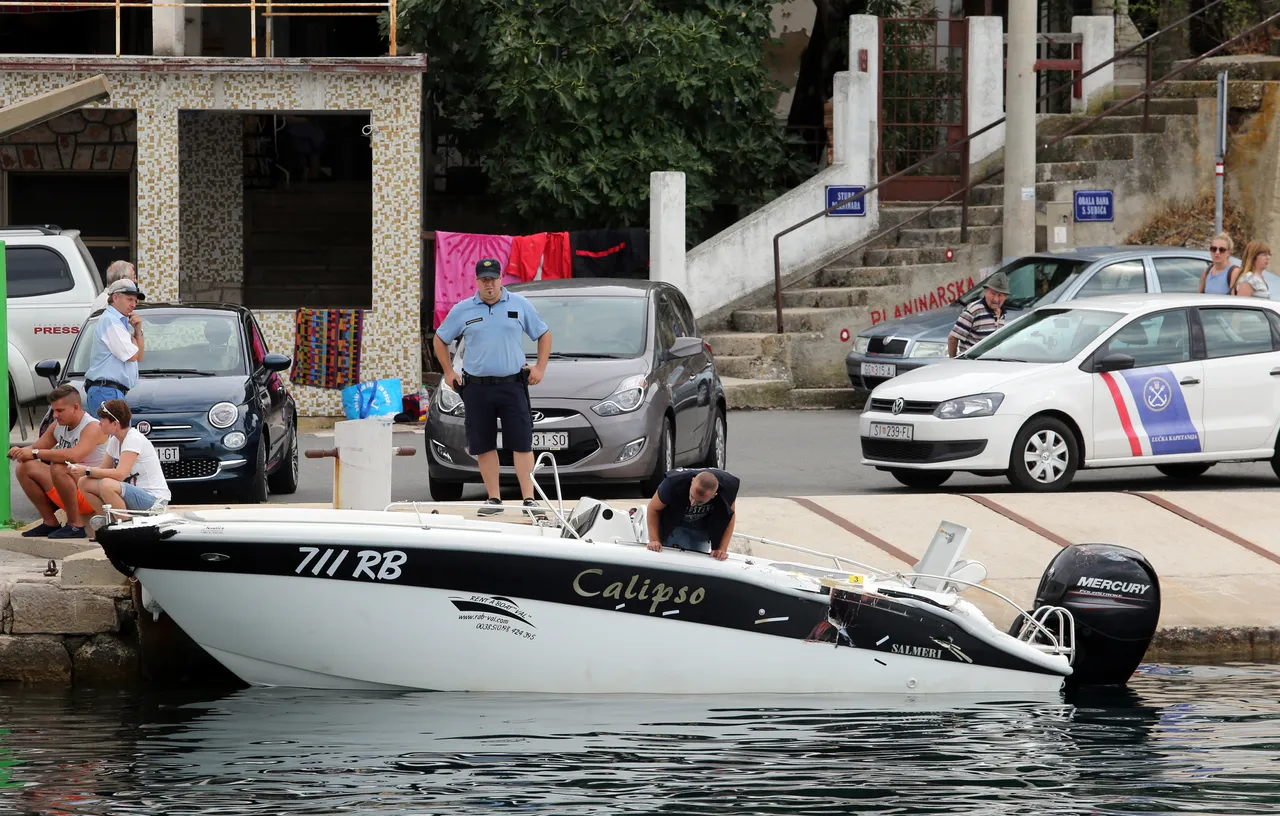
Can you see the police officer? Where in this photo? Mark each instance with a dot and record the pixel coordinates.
(495, 381)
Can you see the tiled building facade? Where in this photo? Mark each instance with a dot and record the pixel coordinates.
(176, 123)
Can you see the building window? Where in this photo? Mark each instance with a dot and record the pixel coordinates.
(99, 205)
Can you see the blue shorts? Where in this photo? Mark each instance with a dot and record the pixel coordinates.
(99, 394)
(487, 403)
(135, 498)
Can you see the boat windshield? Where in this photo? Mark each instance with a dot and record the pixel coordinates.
(1045, 336)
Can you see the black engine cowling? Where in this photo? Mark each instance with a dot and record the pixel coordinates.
(1114, 595)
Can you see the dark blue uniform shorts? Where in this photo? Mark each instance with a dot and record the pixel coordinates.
(487, 403)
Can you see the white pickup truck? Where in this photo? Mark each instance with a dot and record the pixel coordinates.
(52, 283)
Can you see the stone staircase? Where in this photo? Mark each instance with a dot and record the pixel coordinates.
(803, 367)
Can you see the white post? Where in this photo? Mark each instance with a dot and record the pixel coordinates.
(862, 106)
(1098, 47)
(1020, 132)
(986, 85)
(666, 229)
(362, 471)
(168, 31)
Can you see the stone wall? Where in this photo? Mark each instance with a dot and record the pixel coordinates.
(100, 139)
(51, 634)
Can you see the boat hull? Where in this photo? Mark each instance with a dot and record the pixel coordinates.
(287, 631)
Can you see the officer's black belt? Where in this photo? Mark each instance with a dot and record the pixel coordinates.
(468, 379)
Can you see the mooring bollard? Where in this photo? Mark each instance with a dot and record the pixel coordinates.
(361, 463)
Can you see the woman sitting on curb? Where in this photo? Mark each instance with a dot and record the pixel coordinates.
(137, 480)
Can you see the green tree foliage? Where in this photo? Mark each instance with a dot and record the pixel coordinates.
(572, 103)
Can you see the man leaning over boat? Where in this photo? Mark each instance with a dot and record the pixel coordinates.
(693, 508)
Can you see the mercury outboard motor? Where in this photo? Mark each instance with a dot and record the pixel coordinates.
(1114, 595)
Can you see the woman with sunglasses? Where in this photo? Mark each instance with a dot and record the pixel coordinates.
(1257, 256)
(1220, 277)
(136, 482)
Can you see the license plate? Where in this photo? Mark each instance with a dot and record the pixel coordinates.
(890, 430)
(879, 370)
(167, 454)
(546, 440)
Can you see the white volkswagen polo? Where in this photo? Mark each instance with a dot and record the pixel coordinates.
(1180, 382)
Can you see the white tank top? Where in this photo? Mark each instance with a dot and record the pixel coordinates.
(64, 437)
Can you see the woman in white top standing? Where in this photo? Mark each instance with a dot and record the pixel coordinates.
(1257, 256)
(136, 482)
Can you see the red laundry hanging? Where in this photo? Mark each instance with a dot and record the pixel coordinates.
(526, 255)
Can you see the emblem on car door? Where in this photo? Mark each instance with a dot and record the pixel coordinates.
(898, 405)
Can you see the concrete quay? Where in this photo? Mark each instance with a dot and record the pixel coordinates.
(1217, 554)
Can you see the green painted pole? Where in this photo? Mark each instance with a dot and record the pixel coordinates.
(6, 511)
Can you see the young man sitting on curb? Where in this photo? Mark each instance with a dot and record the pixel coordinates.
(135, 481)
(44, 469)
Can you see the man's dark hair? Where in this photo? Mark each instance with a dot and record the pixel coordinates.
(64, 391)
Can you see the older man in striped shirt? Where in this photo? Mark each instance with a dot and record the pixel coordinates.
(982, 317)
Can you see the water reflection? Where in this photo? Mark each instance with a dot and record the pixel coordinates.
(1201, 739)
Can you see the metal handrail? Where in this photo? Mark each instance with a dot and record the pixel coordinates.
(964, 190)
(252, 5)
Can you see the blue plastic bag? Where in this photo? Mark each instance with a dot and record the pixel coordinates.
(373, 398)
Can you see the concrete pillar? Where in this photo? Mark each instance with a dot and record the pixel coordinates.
(861, 104)
(158, 195)
(666, 229)
(1099, 46)
(168, 31)
(1020, 131)
(986, 84)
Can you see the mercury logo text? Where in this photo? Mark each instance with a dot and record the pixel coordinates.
(1114, 586)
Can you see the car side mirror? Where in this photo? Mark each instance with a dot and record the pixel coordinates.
(1113, 362)
(685, 347)
(49, 369)
(275, 362)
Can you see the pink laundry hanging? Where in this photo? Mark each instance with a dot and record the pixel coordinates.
(456, 256)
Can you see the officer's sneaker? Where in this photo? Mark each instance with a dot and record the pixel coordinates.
(492, 507)
(537, 511)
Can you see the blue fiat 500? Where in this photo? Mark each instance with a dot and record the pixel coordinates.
(209, 397)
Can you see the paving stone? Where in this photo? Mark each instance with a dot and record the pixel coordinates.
(47, 609)
(90, 568)
(34, 659)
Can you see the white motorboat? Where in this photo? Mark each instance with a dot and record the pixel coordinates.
(414, 599)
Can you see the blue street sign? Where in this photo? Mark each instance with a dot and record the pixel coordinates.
(1095, 205)
(837, 193)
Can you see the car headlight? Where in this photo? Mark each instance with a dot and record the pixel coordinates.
(223, 415)
(978, 405)
(235, 440)
(861, 344)
(449, 401)
(929, 348)
(628, 397)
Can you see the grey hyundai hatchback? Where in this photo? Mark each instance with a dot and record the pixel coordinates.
(630, 393)
(895, 346)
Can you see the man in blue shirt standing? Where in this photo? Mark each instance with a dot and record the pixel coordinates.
(118, 347)
(495, 382)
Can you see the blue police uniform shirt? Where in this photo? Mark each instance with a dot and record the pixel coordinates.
(492, 333)
(103, 365)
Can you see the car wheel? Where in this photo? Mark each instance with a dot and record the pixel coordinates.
(1186, 470)
(256, 492)
(1044, 456)
(718, 448)
(444, 491)
(922, 479)
(285, 480)
(666, 461)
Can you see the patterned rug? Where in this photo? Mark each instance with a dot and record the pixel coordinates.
(326, 352)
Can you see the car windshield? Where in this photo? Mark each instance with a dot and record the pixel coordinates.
(591, 326)
(178, 344)
(1045, 336)
(1032, 281)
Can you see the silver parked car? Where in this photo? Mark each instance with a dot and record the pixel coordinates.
(631, 391)
(895, 346)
